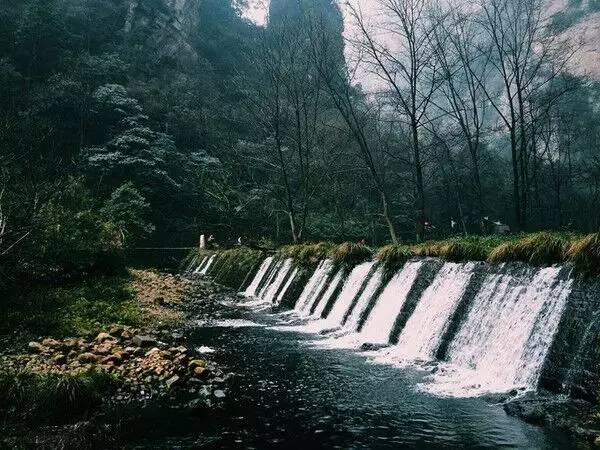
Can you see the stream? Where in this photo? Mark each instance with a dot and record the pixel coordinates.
(288, 394)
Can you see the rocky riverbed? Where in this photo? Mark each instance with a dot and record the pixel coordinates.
(148, 365)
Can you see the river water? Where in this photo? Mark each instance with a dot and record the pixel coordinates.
(288, 394)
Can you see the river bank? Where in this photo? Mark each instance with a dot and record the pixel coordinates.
(62, 388)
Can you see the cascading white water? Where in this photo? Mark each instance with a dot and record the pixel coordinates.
(208, 264)
(506, 335)
(273, 287)
(363, 301)
(270, 276)
(422, 334)
(381, 320)
(324, 300)
(286, 286)
(201, 265)
(253, 286)
(313, 288)
(349, 292)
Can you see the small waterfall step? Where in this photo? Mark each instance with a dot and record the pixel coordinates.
(259, 277)
(350, 290)
(504, 340)
(314, 288)
(423, 332)
(379, 324)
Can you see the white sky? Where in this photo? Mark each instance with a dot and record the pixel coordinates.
(257, 11)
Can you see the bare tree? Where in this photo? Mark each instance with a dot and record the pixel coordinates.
(356, 113)
(463, 69)
(287, 106)
(527, 60)
(408, 67)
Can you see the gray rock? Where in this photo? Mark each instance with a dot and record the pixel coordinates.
(143, 341)
(219, 393)
(172, 381)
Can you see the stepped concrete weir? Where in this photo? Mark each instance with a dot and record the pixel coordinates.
(486, 328)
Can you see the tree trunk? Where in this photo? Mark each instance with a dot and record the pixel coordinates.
(420, 200)
(388, 218)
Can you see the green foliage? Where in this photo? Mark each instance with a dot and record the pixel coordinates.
(307, 254)
(51, 397)
(83, 309)
(70, 237)
(126, 209)
(133, 151)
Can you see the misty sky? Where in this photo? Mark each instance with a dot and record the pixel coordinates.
(257, 9)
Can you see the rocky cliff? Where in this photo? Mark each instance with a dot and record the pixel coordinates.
(578, 23)
(165, 26)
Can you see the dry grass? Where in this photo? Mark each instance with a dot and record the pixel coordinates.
(584, 254)
(156, 292)
(350, 254)
(394, 254)
(307, 254)
(543, 248)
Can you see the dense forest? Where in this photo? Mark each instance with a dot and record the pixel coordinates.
(126, 123)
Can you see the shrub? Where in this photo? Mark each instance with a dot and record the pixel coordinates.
(584, 254)
(126, 210)
(70, 237)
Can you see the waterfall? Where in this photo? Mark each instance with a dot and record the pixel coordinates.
(494, 326)
(201, 265)
(313, 288)
(286, 286)
(204, 269)
(270, 276)
(381, 320)
(373, 284)
(252, 288)
(324, 300)
(507, 333)
(425, 328)
(273, 288)
(350, 290)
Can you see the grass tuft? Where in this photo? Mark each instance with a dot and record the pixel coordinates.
(394, 254)
(307, 254)
(54, 398)
(584, 254)
(350, 254)
(543, 248)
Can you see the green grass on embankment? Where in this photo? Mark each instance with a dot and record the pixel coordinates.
(82, 308)
(347, 254)
(231, 267)
(53, 397)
